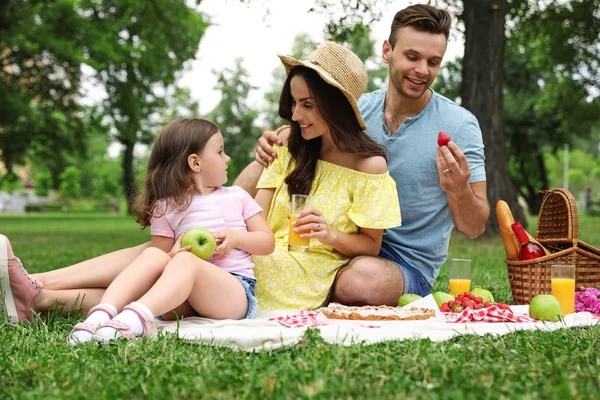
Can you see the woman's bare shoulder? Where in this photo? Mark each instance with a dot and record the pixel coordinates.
(372, 165)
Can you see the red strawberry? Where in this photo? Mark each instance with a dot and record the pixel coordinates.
(478, 300)
(444, 307)
(486, 305)
(476, 306)
(469, 296)
(443, 139)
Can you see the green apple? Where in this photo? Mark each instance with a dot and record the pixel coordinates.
(201, 241)
(408, 298)
(486, 295)
(545, 307)
(442, 297)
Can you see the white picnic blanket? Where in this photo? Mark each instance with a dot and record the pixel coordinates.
(262, 333)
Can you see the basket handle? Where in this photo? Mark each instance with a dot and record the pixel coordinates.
(571, 210)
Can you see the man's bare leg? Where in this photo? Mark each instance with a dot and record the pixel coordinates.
(249, 177)
(97, 272)
(368, 281)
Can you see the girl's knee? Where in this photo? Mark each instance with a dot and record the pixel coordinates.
(186, 259)
(155, 252)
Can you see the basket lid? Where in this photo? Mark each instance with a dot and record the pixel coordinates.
(558, 216)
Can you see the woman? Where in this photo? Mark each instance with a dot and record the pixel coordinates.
(328, 156)
(325, 155)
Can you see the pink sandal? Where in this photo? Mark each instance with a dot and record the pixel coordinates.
(88, 327)
(150, 329)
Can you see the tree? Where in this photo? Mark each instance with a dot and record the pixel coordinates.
(136, 49)
(139, 48)
(43, 184)
(549, 87)
(483, 67)
(235, 118)
(39, 79)
(70, 182)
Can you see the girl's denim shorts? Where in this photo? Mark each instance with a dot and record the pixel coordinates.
(248, 284)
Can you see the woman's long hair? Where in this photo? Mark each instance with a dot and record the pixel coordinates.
(168, 177)
(338, 114)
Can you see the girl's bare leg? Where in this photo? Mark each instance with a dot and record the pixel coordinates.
(97, 272)
(136, 279)
(211, 291)
(130, 284)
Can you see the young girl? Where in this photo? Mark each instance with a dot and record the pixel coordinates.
(326, 155)
(183, 190)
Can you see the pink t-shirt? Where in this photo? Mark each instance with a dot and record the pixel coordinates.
(225, 208)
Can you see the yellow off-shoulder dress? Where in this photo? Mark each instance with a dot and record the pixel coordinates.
(349, 199)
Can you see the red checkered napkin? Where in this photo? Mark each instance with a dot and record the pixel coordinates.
(309, 318)
(489, 314)
(300, 320)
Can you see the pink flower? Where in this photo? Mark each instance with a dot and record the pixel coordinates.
(587, 299)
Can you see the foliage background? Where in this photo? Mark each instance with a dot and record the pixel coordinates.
(549, 94)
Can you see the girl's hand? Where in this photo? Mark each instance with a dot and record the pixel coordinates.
(226, 241)
(311, 223)
(177, 247)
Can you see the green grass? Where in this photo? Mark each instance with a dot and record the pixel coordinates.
(36, 361)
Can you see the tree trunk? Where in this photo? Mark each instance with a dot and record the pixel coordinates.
(128, 175)
(481, 93)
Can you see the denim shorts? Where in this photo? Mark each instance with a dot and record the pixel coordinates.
(414, 282)
(248, 284)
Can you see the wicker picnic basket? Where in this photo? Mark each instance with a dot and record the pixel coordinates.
(557, 231)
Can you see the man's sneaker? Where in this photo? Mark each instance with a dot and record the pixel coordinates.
(18, 288)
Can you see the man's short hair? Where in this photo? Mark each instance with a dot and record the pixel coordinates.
(423, 18)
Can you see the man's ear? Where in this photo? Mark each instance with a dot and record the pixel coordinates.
(194, 162)
(385, 51)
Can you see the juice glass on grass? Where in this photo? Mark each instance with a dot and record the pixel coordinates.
(460, 276)
(563, 286)
(295, 242)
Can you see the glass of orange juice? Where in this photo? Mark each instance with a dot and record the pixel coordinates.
(563, 286)
(295, 242)
(460, 276)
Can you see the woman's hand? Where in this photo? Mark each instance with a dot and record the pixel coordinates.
(311, 223)
(226, 241)
(177, 247)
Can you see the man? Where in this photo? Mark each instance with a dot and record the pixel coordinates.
(436, 189)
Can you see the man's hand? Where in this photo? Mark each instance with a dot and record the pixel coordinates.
(468, 203)
(454, 169)
(264, 152)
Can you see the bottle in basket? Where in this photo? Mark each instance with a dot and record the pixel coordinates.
(529, 250)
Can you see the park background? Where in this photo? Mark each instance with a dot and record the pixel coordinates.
(85, 86)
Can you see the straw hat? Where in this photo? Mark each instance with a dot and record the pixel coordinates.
(339, 67)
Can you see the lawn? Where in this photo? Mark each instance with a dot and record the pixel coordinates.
(36, 361)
